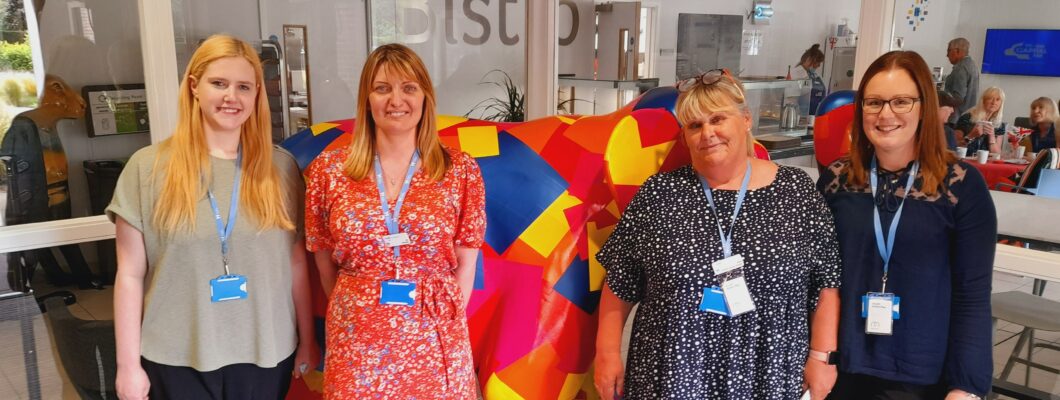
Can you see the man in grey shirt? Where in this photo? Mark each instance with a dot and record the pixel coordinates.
(963, 82)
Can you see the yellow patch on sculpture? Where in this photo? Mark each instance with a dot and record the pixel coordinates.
(445, 121)
(479, 141)
(566, 120)
(497, 389)
(322, 127)
(628, 161)
(545, 232)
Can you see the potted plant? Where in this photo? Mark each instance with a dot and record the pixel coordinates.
(509, 108)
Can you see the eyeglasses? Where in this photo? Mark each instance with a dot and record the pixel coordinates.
(899, 105)
(706, 79)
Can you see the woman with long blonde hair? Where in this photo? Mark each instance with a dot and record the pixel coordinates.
(211, 299)
(1043, 118)
(974, 125)
(395, 221)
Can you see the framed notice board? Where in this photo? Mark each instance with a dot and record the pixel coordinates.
(115, 109)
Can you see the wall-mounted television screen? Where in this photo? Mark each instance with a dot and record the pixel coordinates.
(1022, 52)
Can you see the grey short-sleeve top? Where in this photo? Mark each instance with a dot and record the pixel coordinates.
(181, 326)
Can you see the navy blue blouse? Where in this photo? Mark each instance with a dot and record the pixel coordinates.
(1039, 143)
(941, 269)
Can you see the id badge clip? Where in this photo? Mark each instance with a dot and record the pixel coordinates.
(397, 292)
(729, 271)
(228, 287)
(879, 310)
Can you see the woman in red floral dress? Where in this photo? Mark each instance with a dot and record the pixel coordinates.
(398, 276)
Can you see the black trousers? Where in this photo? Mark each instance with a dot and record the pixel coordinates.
(231, 382)
(866, 387)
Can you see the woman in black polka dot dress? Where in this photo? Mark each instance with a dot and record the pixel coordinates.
(751, 337)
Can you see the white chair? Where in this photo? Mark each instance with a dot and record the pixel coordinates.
(1033, 312)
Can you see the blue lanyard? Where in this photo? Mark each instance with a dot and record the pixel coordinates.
(726, 239)
(886, 245)
(224, 231)
(391, 218)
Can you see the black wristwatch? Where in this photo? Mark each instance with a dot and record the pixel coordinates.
(827, 357)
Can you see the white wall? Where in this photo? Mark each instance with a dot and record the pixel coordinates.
(795, 26)
(978, 15)
(337, 48)
(933, 33)
(622, 16)
(114, 58)
(577, 57)
(974, 18)
(195, 20)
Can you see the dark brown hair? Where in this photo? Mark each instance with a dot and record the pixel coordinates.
(929, 141)
(812, 54)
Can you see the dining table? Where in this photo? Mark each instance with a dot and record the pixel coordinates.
(998, 171)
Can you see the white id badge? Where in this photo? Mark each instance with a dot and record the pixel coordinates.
(728, 264)
(880, 316)
(397, 239)
(729, 272)
(737, 296)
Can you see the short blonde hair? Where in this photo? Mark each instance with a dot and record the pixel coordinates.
(725, 94)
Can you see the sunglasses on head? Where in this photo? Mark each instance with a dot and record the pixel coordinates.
(706, 79)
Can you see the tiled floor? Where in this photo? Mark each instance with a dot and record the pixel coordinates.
(94, 304)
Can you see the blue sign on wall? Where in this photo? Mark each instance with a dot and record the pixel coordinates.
(1022, 52)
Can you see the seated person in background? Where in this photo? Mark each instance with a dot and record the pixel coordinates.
(1043, 127)
(973, 125)
(948, 103)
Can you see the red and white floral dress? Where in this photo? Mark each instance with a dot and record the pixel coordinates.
(395, 351)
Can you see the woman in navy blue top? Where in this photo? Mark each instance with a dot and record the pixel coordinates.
(1043, 129)
(938, 343)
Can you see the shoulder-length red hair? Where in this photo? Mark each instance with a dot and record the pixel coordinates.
(930, 136)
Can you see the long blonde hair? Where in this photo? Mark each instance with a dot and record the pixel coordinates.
(979, 112)
(1049, 108)
(183, 185)
(401, 61)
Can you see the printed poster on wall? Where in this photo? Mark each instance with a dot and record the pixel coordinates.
(114, 111)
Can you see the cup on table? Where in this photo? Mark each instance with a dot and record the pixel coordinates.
(995, 156)
(982, 156)
(1021, 151)
(962, 152)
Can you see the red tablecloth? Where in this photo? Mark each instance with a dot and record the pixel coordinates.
(996, 171)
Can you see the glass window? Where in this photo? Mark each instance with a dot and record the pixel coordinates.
(72, 109)
(464, 45)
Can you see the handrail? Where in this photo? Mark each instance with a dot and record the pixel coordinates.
(55, 233)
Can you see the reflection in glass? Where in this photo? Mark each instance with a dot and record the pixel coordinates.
(299, 114)
(40, 175)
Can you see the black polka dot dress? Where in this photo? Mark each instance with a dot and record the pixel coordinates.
(660, 256)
